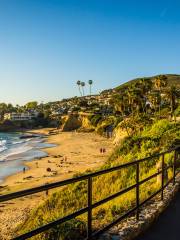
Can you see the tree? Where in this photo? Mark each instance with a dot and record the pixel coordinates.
(160, 82)
(172, 93)
(136, 99)
(90, 86)
(83, 85)
(118, 102)
(155, 99)
(79, 86)
(146, 85)
(31, 105)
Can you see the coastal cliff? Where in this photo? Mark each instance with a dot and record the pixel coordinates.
(78, 121)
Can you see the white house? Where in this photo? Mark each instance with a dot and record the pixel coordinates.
(19, 116)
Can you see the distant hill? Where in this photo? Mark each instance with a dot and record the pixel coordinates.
(173, 79)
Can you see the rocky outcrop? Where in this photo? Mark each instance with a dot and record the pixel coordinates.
(81, 122)
(76, 122)
(119, 134)
(71, 122)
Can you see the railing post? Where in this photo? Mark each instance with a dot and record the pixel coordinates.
(174, 167)
(89, 226)
(162, 179)
(137, 191)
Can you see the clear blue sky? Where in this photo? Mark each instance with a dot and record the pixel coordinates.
(47, 45)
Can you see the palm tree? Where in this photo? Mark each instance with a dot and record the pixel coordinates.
(90, 84)
(136, 99)
(160, 82)
(146, 85)
(79, 86)
(83, 85)
(155, 99)
(118, 101)
(172, 94)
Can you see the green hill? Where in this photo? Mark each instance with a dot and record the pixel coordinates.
(149, 130)
(172, 79)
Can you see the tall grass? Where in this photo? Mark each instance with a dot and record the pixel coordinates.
(156, 138)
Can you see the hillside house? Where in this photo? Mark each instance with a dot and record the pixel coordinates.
(26, 116)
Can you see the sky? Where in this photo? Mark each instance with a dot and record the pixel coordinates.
(47, 45)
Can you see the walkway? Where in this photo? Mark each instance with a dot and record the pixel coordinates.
(167, 226)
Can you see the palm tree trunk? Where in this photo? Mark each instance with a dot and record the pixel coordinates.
(83, 90)
(80, 91)
(90, 89)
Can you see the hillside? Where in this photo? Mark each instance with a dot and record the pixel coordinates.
(172, 79)
(139, 130)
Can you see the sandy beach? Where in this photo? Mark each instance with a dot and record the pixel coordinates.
(74, 153)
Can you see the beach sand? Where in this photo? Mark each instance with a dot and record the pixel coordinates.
(74, 153)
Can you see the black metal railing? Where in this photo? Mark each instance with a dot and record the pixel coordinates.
(90, 205)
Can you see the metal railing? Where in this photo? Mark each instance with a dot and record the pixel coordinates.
(91, 205)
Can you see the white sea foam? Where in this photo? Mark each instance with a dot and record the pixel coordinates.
(3, 146)
(13, 151)
(3, 142)
(18, 142)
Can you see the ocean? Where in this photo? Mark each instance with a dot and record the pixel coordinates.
(14, 151)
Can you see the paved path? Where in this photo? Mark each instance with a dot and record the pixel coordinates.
(167, 227)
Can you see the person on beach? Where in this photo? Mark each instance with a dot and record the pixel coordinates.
(101, 150)
(24, 170)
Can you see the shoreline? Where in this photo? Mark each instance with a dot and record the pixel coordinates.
(16, 161)
(73, 153)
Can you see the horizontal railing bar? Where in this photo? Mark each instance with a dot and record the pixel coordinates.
(150, 177)
(49, 186)
(113, 196)
(131, 211)
(69, 217)
(169, 166)
(154, 175)
(84, 210)
(168, 182)
(149, 198)
(46, 227)
(115, 222)
(50, 225)
(156, 193)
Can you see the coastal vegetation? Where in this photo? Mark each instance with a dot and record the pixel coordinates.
(148, 110)
(151, 96)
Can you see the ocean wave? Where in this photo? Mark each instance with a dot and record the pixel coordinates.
(11, 154)
(3, 148)
(17, 142)
(14, 148)
(23, 141)
(3, 142)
